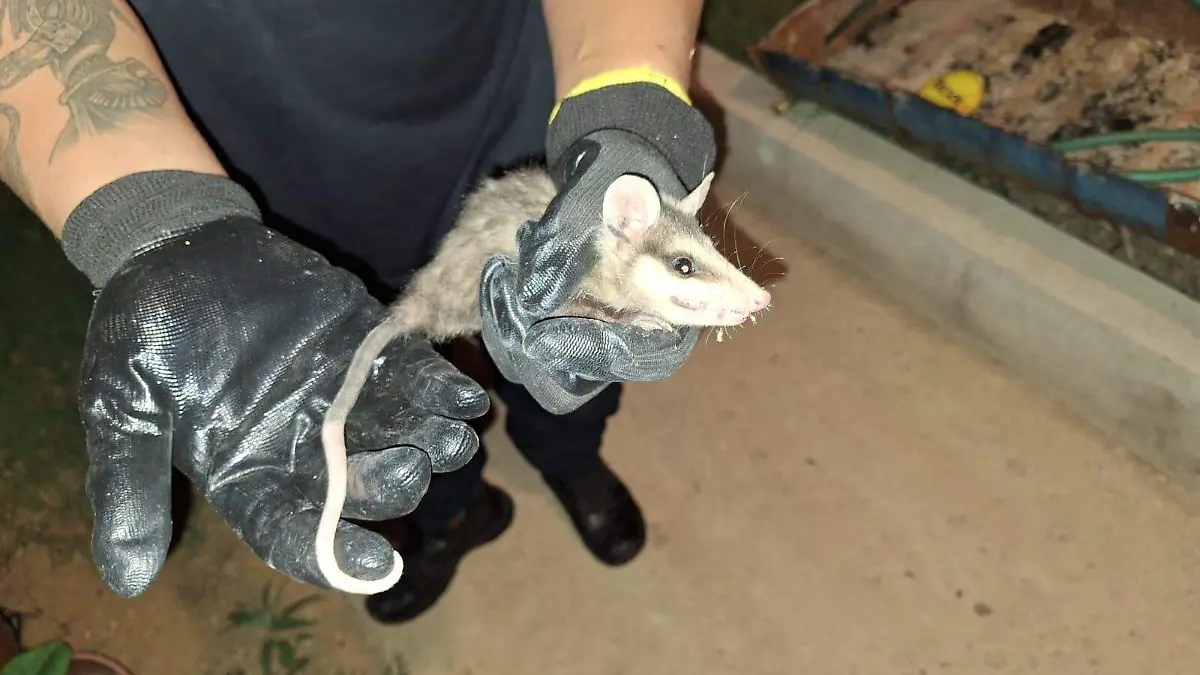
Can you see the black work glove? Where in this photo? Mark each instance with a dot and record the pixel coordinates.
(564, 362)
(216, 345)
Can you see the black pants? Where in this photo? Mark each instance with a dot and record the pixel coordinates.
(555, 445)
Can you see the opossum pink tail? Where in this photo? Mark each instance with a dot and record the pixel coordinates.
(333, 439)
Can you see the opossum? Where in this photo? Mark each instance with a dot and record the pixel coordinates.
(656, 269)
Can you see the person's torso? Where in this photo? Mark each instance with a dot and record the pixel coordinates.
(358, 123)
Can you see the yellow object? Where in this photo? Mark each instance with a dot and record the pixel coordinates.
(958, 90)
(624, 76)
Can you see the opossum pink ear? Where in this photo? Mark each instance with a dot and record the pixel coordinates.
(691, 204)
(631, 206)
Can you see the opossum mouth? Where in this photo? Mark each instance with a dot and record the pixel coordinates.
(715, 317)
(686, 304)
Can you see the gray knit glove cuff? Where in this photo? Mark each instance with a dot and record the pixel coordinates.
(139, 211)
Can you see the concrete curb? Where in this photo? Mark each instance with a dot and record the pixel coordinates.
(1118, 348)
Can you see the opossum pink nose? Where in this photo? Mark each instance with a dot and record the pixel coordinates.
(761, 301)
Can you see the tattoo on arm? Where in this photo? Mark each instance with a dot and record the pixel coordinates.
(72, 38)
(9, 159)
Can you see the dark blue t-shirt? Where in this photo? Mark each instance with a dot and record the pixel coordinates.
(359, 124)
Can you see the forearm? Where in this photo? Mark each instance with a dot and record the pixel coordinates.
(74, 125)
(590, 37)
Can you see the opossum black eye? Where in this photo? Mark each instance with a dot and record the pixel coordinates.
(683, 266)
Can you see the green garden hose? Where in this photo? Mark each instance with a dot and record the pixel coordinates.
(1159, 177)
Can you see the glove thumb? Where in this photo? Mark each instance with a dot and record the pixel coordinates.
(129, 486)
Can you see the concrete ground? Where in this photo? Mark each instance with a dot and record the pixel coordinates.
(839, 489)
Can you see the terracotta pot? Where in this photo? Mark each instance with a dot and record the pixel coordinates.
(90, 663)
(82, 663)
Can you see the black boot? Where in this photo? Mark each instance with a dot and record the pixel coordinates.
(603, 511)
(431, 558)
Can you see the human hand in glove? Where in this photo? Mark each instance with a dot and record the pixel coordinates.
(595, 136)
(216, 345)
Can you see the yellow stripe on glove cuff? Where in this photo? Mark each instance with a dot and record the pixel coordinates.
(624, 76)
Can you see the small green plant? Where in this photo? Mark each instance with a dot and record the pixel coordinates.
(284, 630)
(52, 658)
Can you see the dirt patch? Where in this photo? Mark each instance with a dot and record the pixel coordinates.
(1176, 20)
(215, 610)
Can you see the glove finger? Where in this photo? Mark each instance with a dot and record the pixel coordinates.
(386, 484)
(449, 443)
(503, 327)
(560, 393)
(129, 486)
(415, 375)
(596, 350)
(419, 402)
(279, 525)
(556, 253)
(380, 484)
(438, 387)
(503, 336)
